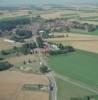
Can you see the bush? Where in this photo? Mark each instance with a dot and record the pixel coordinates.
(57, 52)
(20, 35)
(63, 50)
(3, 52)
(69, 48)
(5, 66)
(23, 34)
(44, 69)
(1, 58)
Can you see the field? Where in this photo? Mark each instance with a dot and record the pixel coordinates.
(12, 14)
(11, 84)
(79, 41)
(4, 45)
(79, 65)
(84, 32)
(67, 90)
(79, 69)
(18, 62)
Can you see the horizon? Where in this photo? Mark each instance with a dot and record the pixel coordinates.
(42, 2)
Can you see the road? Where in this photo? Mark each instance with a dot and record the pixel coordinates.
(53, 86)
(53, 92)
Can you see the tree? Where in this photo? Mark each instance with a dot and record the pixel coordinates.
(5, 66)
(40, 42)
(61, 46)
(0, 33)
(67, 29)
(24, 62)
(44, 69)
(4, 52)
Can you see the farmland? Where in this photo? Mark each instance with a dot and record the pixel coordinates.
(12, 82)
(78, 41)
(77, 65)
(6, 45)
(67, 90)
(78, 69)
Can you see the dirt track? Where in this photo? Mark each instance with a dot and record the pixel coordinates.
(83, 42)
(11, 83)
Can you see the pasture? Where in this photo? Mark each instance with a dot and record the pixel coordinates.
(79, 70)
(67, 90)
(79, 65)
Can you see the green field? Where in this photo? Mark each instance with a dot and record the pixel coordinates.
(66, 91)
(79, 65)
(80, 31)
(91, 18)
(14, 18)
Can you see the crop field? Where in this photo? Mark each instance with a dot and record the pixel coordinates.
(79, 41)
(78, 70)
(79, 65)
(80, 31)
(12, 82)
(4, 45)
(76, 67)
(12, 14)
(91, 18)
(67, 90)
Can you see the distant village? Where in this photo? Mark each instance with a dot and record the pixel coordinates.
(43, 26)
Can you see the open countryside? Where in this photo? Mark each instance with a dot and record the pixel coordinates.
(49, 52)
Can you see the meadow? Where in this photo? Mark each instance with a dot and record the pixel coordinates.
(79, 65)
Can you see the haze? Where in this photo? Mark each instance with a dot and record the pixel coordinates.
(40, 2)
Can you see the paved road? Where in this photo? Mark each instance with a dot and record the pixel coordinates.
(53, 86)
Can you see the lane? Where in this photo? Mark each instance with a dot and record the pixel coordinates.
(53, 86)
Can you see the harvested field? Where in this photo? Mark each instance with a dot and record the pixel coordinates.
(88, 14)
(52, 15)
(57, 14)
(33, 96)
(83, 42)
(21, 58)
(12, 14)
(11, 83)
(6, 45)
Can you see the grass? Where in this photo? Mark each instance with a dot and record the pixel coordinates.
(66, 91)
(88, 11)
(10, 52)
(15, 18)
(91, 18)
(29, 67)
(70, 16)
(31, 87)
(79, 65)
(80, 31)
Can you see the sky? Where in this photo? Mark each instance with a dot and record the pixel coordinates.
(38, 2)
